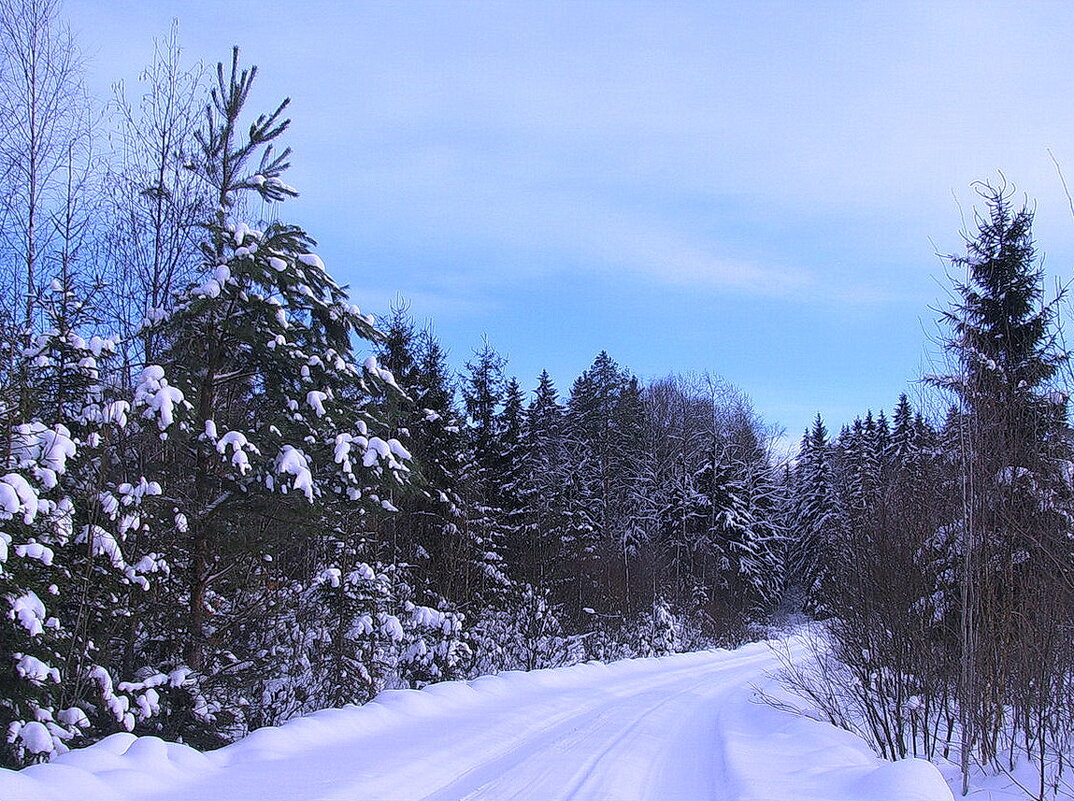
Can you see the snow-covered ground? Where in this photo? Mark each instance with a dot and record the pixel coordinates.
(1021, 784)
(680, 727)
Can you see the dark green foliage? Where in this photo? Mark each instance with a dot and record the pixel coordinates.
(813, 546)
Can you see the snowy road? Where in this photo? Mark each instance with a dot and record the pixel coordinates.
(681, 727)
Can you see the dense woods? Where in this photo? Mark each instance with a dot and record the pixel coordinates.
(229, 496)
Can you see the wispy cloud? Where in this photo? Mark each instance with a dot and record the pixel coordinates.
(543, 128)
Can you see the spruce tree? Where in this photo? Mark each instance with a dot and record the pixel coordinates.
(903, 443)
(442, 532)
(511, 476)
(542, 491)
(483, 390)
(1015, 547)
(816, 519)
(632, 513)
(595, 445)
(277, 457)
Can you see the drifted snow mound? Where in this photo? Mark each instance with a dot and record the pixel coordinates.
(121, 766)
(769, 755)
(679, 727)
(908, 780)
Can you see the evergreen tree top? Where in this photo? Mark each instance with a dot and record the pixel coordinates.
(1002, 328)
(819, 433)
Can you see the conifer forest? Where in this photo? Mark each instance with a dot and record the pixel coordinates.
(230, 496)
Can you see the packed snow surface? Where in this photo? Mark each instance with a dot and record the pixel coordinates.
(679, 727)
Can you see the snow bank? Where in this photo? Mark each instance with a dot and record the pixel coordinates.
(771, 754)
(119, 767)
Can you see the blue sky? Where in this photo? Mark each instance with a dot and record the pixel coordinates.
(754, 189)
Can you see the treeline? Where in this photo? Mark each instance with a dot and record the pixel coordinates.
(229, 497)
(618, 506)
(942, 554)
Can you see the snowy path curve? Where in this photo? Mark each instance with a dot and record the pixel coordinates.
(680, 727)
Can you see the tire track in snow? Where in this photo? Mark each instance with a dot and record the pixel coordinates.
(423, 744)
(618, 748)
